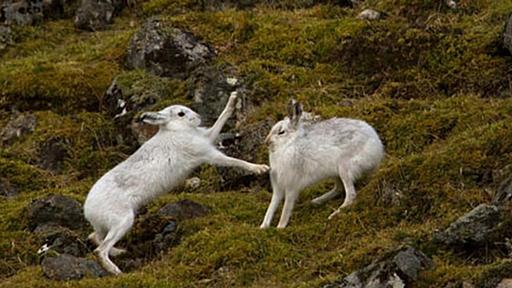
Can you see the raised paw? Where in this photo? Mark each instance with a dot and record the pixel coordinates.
(259, 168)
(232, 99)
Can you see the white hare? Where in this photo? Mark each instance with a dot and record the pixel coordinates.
(303, 153)
(160, 164)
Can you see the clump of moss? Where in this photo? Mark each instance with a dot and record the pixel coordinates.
(64, 73)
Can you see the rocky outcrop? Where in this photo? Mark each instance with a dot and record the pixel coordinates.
(398, 269)
(6, 37)
(56, 210)
(67, 267)
(474, 228)
(19, 126)
(166, 51)
(504, 193)
(95, 15)
(29, 12)
(52, 153)
(370, 14)
(209, 88)
(61, 240)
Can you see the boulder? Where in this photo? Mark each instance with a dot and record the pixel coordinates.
(21, 12)
(56, 210)
(504, 192)
(61, 240)
(52, 153)
(67, 267)
(505, 283)
(20, 125)
(370, 14)
(507, 35)
(166, 51)
(95, 15)
(29, 12)
(183, 210)
(397, 269)
(474, 228)
(210, 87)
(6, 37)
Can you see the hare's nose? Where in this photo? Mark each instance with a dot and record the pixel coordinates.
(268, 140)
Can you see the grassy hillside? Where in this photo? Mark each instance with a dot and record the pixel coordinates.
(434, 82)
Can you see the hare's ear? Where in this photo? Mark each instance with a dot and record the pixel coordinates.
(294, 112)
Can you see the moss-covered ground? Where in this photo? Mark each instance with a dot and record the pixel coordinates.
(434, 82)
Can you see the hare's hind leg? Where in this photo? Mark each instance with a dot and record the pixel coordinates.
(329, 195)
(350, 190)
(115, 234)
(97, 237)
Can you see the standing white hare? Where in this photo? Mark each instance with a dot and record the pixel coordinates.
(302, 154)
(159, 165)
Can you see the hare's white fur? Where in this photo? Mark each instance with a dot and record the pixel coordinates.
(159, 165)
(303, 153)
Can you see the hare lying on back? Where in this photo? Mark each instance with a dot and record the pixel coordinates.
(159, 165)
(302, 154)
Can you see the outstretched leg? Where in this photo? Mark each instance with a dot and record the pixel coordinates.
(329, 195)
(277, 197)
(96, 238)
(350, 190)
(289, 202)
(216, 157)
(214, 131)
(115, 234)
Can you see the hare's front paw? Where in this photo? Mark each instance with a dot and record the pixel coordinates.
(259, 169)
(232, 99)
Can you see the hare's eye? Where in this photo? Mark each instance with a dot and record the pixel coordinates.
(181, 114)
(281, 132)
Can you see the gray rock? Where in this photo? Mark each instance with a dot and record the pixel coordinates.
(507, 35)
(21, 12)
(95, 15)
(52, 153)
(56, 210)
(210, 87)
(151, 235)
(67, 267)
(398, 269)
(19, 125)
(166, 51)
(505, 283)
(474, 228)
(370, 14)
(61, 240)
(184, 209)
(504, 193)
(6, 37)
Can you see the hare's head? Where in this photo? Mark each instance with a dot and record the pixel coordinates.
(287, 129)
(172, 117)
